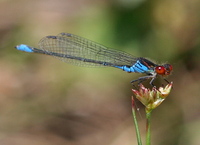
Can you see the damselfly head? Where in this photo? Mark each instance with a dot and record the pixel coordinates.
(164, 69)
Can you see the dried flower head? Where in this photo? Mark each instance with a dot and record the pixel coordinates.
(152, 98)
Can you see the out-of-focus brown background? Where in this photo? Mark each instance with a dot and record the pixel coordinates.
(44, 101)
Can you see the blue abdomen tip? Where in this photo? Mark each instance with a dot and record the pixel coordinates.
(23, 47)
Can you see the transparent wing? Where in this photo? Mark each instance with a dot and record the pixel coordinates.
(79, 51)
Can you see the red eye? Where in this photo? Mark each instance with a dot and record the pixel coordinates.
(160, 70)
(170, 67)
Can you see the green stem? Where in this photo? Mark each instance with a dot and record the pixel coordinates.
(136, 123)
(148, 127)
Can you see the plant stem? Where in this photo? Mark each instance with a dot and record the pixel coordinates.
(148, 127)
(136, 123)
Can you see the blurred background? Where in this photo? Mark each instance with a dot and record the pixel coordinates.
(44, 101)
